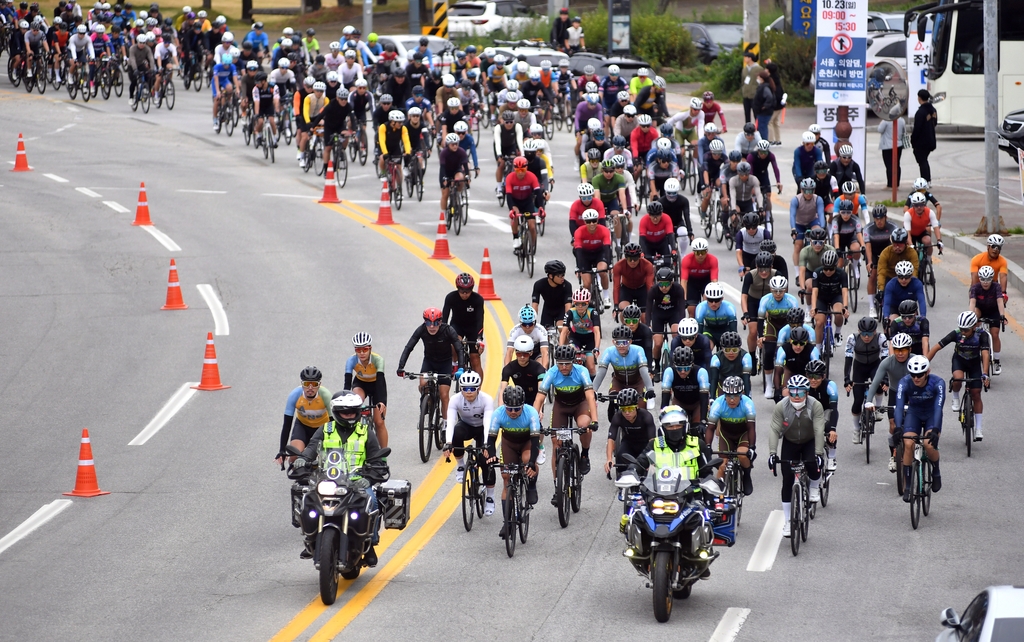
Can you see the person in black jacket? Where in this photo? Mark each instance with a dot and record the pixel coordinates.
(560, 30)
(439, 341)
(764, 102)
(844, 168)
(774, 132)
(399, 87)
(922, 139)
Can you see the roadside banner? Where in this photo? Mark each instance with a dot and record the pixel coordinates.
(839, 73)
(919, 56)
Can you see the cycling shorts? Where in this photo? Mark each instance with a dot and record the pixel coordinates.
(444, 179)
(845, 240)
(265, 111)
(801, 230)
(661, 318)
(302, 432)
(971, 369)
(527, 207)
(612, 206)
(633, 295)
(918, 238)
(442, 368)
(219, 85)
(584, 341)
(512, 451)
(732, 441)
(369, 388)
(560, 413)
(916, 423)
(825, 303)
(587, 260)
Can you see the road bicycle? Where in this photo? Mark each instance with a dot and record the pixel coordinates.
(518, 517)
(394, 175)
(165, 96)
(266, 138)
(414, 179)
(284, 122)
(473, 489)
(828, 342)
(597, 291)
(643, 187)
(966, 413)
(457, 213)
(506, 170)
(926, 271)
(338, 144)
(689, 168)
(568, 478)
(866, 423)
(714, 215)
(225, 119)
(920, 481)
(430, 424)
(800, 512)
(143, 92)
(357, 144)
(853, 272)
(733, 479)
(526, 253)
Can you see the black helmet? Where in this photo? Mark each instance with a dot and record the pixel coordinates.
(751, 220)
(564, 353)
(632, 311)
(820, 166)
(311, 373)
(816, 367)
(311, 32)
(627, 397)
(795, 316)
(799, 334)
(879, 211)
(749, 128)
(554, 267)
(730, 339)
(735, 156)
(829, 259)
(424, 42)
(632, 250)
(769, 246)
(867, 324)
(763, 260)
(908, 307)
(899, 235)
(732, 385)
(654, 208)
(261, 76)
(666, 130)
(682, 357)
(664, 274)
(817, 234)
(399, 73)
(514, 395)
(622, 333)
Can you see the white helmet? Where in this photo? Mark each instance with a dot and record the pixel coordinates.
(622, 95)
(100, 29)
(499, 59)
(710, 128)
(643, 120)
(995, 240)
(396, 116)
(904, 268)
(717, 146)
(917, 198)
(470, 379)
(201, 14)
(513, 85)
(530, 145)
(986, 273)
(523, 67)
(454, 102)
(663, 144)
(808, 137)
(318, 86)
(536, 129)
(335, 46)
(414, 111)
(350, 54)
(672, 186)
(613, 70)
(714, 291)
(448, 80)
(360, 83)
(589, 215)
(289, 31)
(697, 103)
(814, 128)
(643, 72)
(630, 110)
(585, 190)
(523, 343)
(593, 124)
(451, 139)
(545, 65)
(287, 42)
(460, 127)
(699, 245)
(332, 76)
(688, 327)
(920, 184)
(489, 52)
(79, 28)
(901, 341)
(284, 63)
(917, 364)
(227, 37)
(591, 88)
(309, 81)
(846, 150)
(966, 320)
(522, 103)
(778, 283)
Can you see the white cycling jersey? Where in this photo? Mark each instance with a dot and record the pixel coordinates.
(333, 61)
(538, 334)
(282, 77)
(81, 42)
(162, 51)
(476, 413)
(348, 75)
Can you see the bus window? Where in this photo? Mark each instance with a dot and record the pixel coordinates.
(969, 44)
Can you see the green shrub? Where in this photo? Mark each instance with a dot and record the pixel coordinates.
(595, 29)
(723, 75)
(657, 38)
(795, 58)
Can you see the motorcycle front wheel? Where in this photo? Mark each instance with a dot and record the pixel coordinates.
(661, 576)
(329, 566)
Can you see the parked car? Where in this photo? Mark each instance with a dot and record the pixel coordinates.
(714, 39)
(890, 45)
(532, 55)
(995, 615)
(627, 66)
(1011, 134)
(482, 18)
(404, 43)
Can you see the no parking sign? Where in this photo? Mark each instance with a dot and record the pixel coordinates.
(840, 76)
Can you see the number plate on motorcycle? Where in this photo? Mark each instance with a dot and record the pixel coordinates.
(564, 435)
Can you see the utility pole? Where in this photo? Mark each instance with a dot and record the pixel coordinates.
(751, 24)
(991, 13)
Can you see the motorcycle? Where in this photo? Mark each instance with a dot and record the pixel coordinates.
(333, 508)
(670, 529)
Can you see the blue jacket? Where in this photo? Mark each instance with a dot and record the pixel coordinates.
(469, 145)
(896, 294)
(260, 41)
(803, 162)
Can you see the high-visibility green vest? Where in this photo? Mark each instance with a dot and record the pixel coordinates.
(354, 447)
(688, 457)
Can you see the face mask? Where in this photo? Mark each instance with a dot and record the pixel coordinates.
(798, 405)
(673, 436)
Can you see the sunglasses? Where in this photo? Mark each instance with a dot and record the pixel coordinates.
(732, 395)
(628, 408)
(311, 384)
(828, 269)
(528, 325)
(700, 252)
(469, 389)
(513, 409)
(631, 321)
(562, 364)
(845, 157)
(919, 375)
(799, 393)
(363, 349)
(623, 343)
(609, 170)
(867, 334)
(664, 284)
(633, 259)
(909, 318)
(431, 323)
(798, 343)
(731, 350)
(817, 243)
(808, 191)
(815, 377)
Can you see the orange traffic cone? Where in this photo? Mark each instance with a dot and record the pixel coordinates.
(441, 242)
(384, 213)
(486, 288)
(21, 160)
(211, 373)
(85, 482)
(174, 300)
(330, 189)
(142, 210)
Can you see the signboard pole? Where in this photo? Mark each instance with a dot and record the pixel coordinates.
(895, 158)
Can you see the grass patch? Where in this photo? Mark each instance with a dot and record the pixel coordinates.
(1016, 230)
(890, 203)
(692, 74)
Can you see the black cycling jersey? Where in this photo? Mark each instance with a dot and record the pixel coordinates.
(830, 286)
(917, 331)
(436, 347)
(928, 196)
(879, 238)
(644, 338)
(554, 299)
(633, 435)
(448, 119)
(527, 378)
(966, 348)
(679, 211)
(466, 317)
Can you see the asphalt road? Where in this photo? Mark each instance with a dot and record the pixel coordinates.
(194, 540)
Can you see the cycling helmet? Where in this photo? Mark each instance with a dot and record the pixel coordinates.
(664, 144)
(400, 73)
(816, 368)
(530, 146)
(807, 184)
(798, 382)
(554, 268)
(622, 333)
(778, 283)
(664, 155)
(808, 137)
(454, 102)
(527, 315)
(619, 160)
(714, 292)
(470, 49)
(593, 153)
(284, 63)
(607, 164)
(564, 353)
(672, 186)
(632, 311)
(489, 52)
(523, 343)
(627, 397)
(448, 80)
(643, 120)
(763, 146)
(581, 295)
(629, 110)
(317, 86)
(589, 70)
(732, 385)
(311, 373)
(917, 199)
(227, 37)
(795, 316)
(632, 251)
(768, 245)
(654, 208)
(698, 245)
(920, 184)
(663, 274)
(904, 268)
(730, 339)
(592, 98)
(536, 129)
(867, 324)
(499, 60)
(418, 91)
(820, 166)
(682, 357)
(829, 259)
(743, 168)
(423, 41)
(845, 151)
(513, 397)
(252, 65)
(519, 163)
(966, 320)
(908, 307)
(666, 130)
(899, 235)
(413, 111)
(335, 46)
(750, 220)
(986, 274)
(763, 260)
(622, 96)
(710, 128)
(917, 365)
(593, 124)
(522, 103)
(849, 187)
(814, 128)
(386, 99)
(618, 141)
(464, 281)
(345, 406)
(879, 211)
(735, 156)
(508, 117)
(995, 240)
(799, 334)
(100, 29)
(470, 379)
(749, 129)
(845, 206)
(225, 59)
(396, 116)
(901, 341)
(717, 146)
(688, 327)
(817, 234)
(460, 127)
(361, 340)
(432, 314)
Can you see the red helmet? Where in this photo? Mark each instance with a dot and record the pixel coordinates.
(464, 281)
(431, 314)
(519, 163)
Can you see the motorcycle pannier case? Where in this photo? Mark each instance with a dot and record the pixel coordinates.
(395, 497)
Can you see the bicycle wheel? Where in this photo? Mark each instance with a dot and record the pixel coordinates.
(708, 224)
(795, 513)
(318, 155)
(900, 483)
(693, 176)
(134, 100)
(531, 256)
(229, 123)
(559, 123)
(576, 494)
(824, 488)
(169, 94)
(511, 520)
(13, 74)
(541, 224)
(398, 189)
(418, 187)
(805, 523)
(523, 512)
(926, 501)
(437, 427)
(468, 497)
(265, 144)
(563, 483)
(424, 427)
(549, 126)
(967, 412)
(730, 236)
(353, 149)
(453, 217)
(478, 490)
(40, 74)
(145, 99)
(197, 78)
(117, 80)
(83, 85)
(854, 285)
(104, 81)
(915, 499)
(463, 200)
(72, 85)
(521, 252)
(865, 430)
(341, 169)
(363, 152)
(928, 274)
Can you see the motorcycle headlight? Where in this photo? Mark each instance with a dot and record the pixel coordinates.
(326, 488)
(662, 507)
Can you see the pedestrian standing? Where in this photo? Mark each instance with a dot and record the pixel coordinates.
(774, 128)
(560, 30)
(748, 86)
(923, 137)
(764, 102)
(885, 144)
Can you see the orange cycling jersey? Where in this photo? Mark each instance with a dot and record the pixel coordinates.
(919, 223)
(998, 264)
(545, 78)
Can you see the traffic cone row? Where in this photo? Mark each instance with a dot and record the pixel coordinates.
(142, 209)
(85, 482)
(384, 212)
(486, 289)
(441, 251)
(21, 159)
(174, 300)
(330, 188)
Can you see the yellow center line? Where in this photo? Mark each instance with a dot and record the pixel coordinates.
(425, 492)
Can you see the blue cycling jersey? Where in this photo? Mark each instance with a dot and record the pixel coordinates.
(771, 309)
(527, 424)
(224, 74)
(625, 368)
(896, 294)
(783, 335)
(723, 317)
(424, 104)
(568, 389)
(734, 420)
(924, 404)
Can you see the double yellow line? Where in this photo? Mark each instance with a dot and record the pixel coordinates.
(495, 332)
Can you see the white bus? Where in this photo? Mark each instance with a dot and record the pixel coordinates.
(956, 75)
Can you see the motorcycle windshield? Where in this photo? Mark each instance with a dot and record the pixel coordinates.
(333, 462)
(668, 480)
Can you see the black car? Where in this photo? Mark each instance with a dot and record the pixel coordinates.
(714, 39)
(627, 66)
(1011, 134)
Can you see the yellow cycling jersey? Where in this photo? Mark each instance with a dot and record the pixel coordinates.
(311, 412)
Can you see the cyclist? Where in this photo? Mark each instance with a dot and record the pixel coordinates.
(897, 251)
(987, 303)
(519, 427)
(305, 411)
(878, 236)
(847, 234)
(747, 140)
(629, 368)
(859, 202)
(393, 138)
(733, 418)
(632, 278)
(799, 422)
(747, 192)
(771, 315)
(905, 287)
(523, 371)
(508, 141)
(660, 169)
(830, 294)
(825, 186)
(687, 385)
(439, 341)
(312, 104)
(453, 162)
(888, 375)
(844, 168)
(748, 242)
(592, 247)
(827, 393)
(865, 349)
(913, 325)
(225, 79)
(642, 335)
(536, 165)
(656, 234)
(804, 158)
(760, 160)
(779, 264)
(677, 207)
(266, 103)
(791, 358)
(756, 285)
(688, 124)
(612, 189)
(714, 315)
(630, 429)
(335, 116)
(921, 222)
(710, 173)
(795, 319)
(690, 337)
(806, 212)
(993, 258)
(697, 270)
(641, 140)
(364, 375)
(555, 292)
(464, 311)
(666, 304)
(522, 189)
(923, 394)
(35, 41)
(468, 412)
(921, 187)
(971, 356)
(731, 360)
(572, 393)
(582, 328)
(527, 326)
(826, 149)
